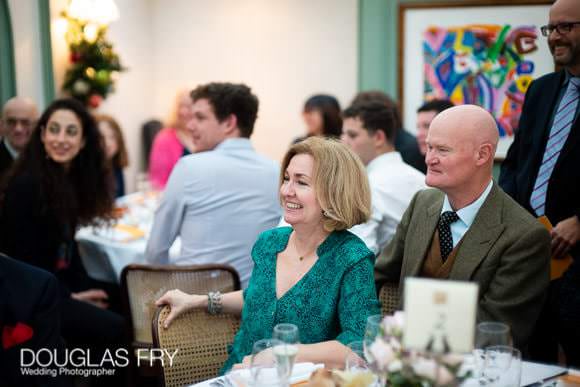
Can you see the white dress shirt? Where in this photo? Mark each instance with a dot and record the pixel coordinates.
(466, 215)
(393, 184)
(217, 202)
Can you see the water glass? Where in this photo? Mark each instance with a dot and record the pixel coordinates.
(488, 334)
(285, 353)
(263, 365)
(503, 366)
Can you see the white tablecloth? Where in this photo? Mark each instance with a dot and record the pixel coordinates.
(106, 251)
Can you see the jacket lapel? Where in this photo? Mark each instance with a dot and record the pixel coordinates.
(484, 231)
(422, 237)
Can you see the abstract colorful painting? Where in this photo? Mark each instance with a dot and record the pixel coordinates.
(483, 64)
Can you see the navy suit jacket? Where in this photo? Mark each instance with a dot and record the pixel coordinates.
(28, 297)
(523, 160)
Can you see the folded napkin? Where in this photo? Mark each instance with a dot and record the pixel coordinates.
(300, 373)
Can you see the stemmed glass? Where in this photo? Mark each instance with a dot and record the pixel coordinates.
(355, 359)
(372, 331)
(286, 352)
(263, 365)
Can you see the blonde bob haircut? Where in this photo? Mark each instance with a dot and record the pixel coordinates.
(340, 182)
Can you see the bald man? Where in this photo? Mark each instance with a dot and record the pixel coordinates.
(468, 229)
(18, 118)
(542, 173)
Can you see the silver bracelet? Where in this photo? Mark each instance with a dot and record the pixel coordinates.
(214, 302)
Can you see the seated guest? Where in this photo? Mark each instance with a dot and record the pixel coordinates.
(18, 118)
(315, 274)
(405, 142)
(29, 319)
(368, 129)
(425, 115)
(222, 197)
(468, 229)
(59, 183)
(321, 115)
(115, 150)
(171, 143)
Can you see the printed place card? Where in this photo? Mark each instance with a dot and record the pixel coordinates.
(439, 315)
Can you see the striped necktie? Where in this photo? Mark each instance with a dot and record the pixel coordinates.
(563, 121)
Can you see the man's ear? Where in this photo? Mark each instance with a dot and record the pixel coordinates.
(379, 137)
(485, 153)
(231, 123)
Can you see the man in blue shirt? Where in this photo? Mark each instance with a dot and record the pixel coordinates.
(220, 198)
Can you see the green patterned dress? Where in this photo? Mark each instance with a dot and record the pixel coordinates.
(331, 302)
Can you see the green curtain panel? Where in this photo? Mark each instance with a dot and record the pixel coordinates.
(7, 74)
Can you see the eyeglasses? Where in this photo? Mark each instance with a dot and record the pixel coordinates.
(13, 122)
(562, 28)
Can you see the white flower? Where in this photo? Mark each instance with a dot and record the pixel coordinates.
(452, 359)
(393, 325)
(395, 366)
(425, 368)
(444, 377)
(382, 353)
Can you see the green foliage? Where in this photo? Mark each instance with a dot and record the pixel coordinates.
(94, 64)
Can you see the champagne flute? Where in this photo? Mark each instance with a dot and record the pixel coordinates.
(263, 364)
(285, 353)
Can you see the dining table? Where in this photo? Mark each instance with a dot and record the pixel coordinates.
(106, 249)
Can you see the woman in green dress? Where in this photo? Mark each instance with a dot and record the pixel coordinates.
(315, 274)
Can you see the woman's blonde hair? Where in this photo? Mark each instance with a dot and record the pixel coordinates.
(340, 182)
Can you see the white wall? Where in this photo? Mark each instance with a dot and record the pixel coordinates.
(27, 54)
(285, 50)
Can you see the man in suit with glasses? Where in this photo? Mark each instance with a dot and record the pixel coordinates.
(542, 173)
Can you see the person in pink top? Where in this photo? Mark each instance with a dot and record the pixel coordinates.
(171, 143)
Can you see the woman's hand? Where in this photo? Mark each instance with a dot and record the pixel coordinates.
(97, 297)
(180, 302)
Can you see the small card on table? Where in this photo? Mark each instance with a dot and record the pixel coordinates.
(439, 315)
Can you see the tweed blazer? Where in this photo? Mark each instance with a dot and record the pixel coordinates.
(505, 251)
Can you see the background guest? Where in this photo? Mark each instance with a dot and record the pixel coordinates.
(29, 318)
(425, 115)
(405, 142)
(324, 191)
(321, 115)
(18, 118)
(115, 150)
(171, 143)
(541, 172)
(222, 197)
(60, 182)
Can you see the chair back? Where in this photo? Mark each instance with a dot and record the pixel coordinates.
(202, 341)
(389, 298)
(142, 285)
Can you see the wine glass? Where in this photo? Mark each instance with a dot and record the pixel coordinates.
(355, 359)
(263, 364)
(372, 331)
(502, 366)
(488, 333)
(285, 353)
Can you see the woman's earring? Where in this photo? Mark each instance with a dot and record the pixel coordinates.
(326, 214)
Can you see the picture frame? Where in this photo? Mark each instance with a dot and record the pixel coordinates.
(422, 44)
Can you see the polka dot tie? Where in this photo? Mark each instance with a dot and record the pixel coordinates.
(445, 239)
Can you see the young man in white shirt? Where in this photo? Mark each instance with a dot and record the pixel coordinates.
(368, 129)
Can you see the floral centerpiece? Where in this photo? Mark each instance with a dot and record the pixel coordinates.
(409, 368)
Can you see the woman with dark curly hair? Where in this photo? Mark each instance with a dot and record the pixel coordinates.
(61, 182)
